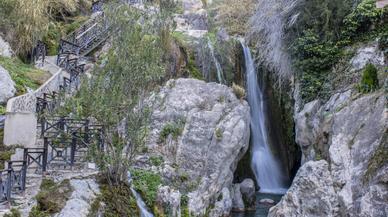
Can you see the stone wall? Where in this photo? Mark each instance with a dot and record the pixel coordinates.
(21, 121)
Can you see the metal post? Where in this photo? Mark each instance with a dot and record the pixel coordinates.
(45, 153)
(72, 149)
(24, 176)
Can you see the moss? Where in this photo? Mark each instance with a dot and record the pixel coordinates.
(369, 80)
(24, 75)
(146, 183)
(172, 128)
(218, 133)
(14, 213)
(156, 160)
(51, 198)
(2, 110)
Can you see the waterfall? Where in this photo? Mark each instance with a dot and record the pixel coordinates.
(218, 65)
(266, 168)
(139, 201)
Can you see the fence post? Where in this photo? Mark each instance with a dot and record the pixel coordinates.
(72, 149)
(45, 153)
(9, 181)
(24, 176)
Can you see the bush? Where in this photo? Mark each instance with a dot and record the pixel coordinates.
(147, 184)
(156, 160)
(238, 91)
(174, 128)
(369, 80)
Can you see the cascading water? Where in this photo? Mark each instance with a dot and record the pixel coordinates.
(218, 65)
(139, 201)
(266, 168)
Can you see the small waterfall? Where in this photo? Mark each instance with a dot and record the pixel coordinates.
(266, 168)
(139, 201)
(218, 65)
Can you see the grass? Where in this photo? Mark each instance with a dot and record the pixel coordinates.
(5, 151)
(24, 75)
(14, 213)
(2, 110)
(118, 201)
(172, 128)
(51, 198)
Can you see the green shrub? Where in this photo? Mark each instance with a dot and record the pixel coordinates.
(173, 128)
(239, 91)
(369, 80)
(156, 160)
(218, 133)
(146, 183)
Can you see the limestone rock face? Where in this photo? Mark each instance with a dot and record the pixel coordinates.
(169, 199)
(7, 86)
(201, 130)
(350, 132)
(84, 192)
(311, 193)
(367, 54)
(5, 49)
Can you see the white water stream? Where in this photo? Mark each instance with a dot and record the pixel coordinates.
(218, 65)
(265, 166)
(139, 201)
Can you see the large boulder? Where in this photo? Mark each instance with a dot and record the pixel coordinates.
(201, 130)
(311, 193)
(7, 86)
(5, 49)
(244, 196)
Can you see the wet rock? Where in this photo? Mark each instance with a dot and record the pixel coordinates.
(267, 201)
(237, 201)
(248, 192)
(311, 193)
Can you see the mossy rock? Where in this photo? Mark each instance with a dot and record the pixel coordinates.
(51, 198)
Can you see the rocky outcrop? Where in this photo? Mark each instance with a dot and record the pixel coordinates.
(5, 48)
(79, 203)
(7, 86)
(350, 132)
(367, 54)
(201, 130)
(311, 194)
(169, 201)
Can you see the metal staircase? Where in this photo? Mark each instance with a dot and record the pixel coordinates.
(62, 142)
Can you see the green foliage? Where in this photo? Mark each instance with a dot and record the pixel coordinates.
(369, 80)
(5, 151)
(365, 16)
(146, 183)
(24, 75)
(51, 198)
(2, 110)
(322, 35)
(172, 128)
(156, 160)
(14, 213)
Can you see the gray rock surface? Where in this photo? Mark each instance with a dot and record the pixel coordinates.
(311, 193)
(7, 86)
(237, 201)
(5, 49)
(367, 54)
(223, 206)
(85, 191)
(211, 134)
(248, 192)
(350, 132)
(169, 201)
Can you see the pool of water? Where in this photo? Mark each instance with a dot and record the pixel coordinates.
(261, 209)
